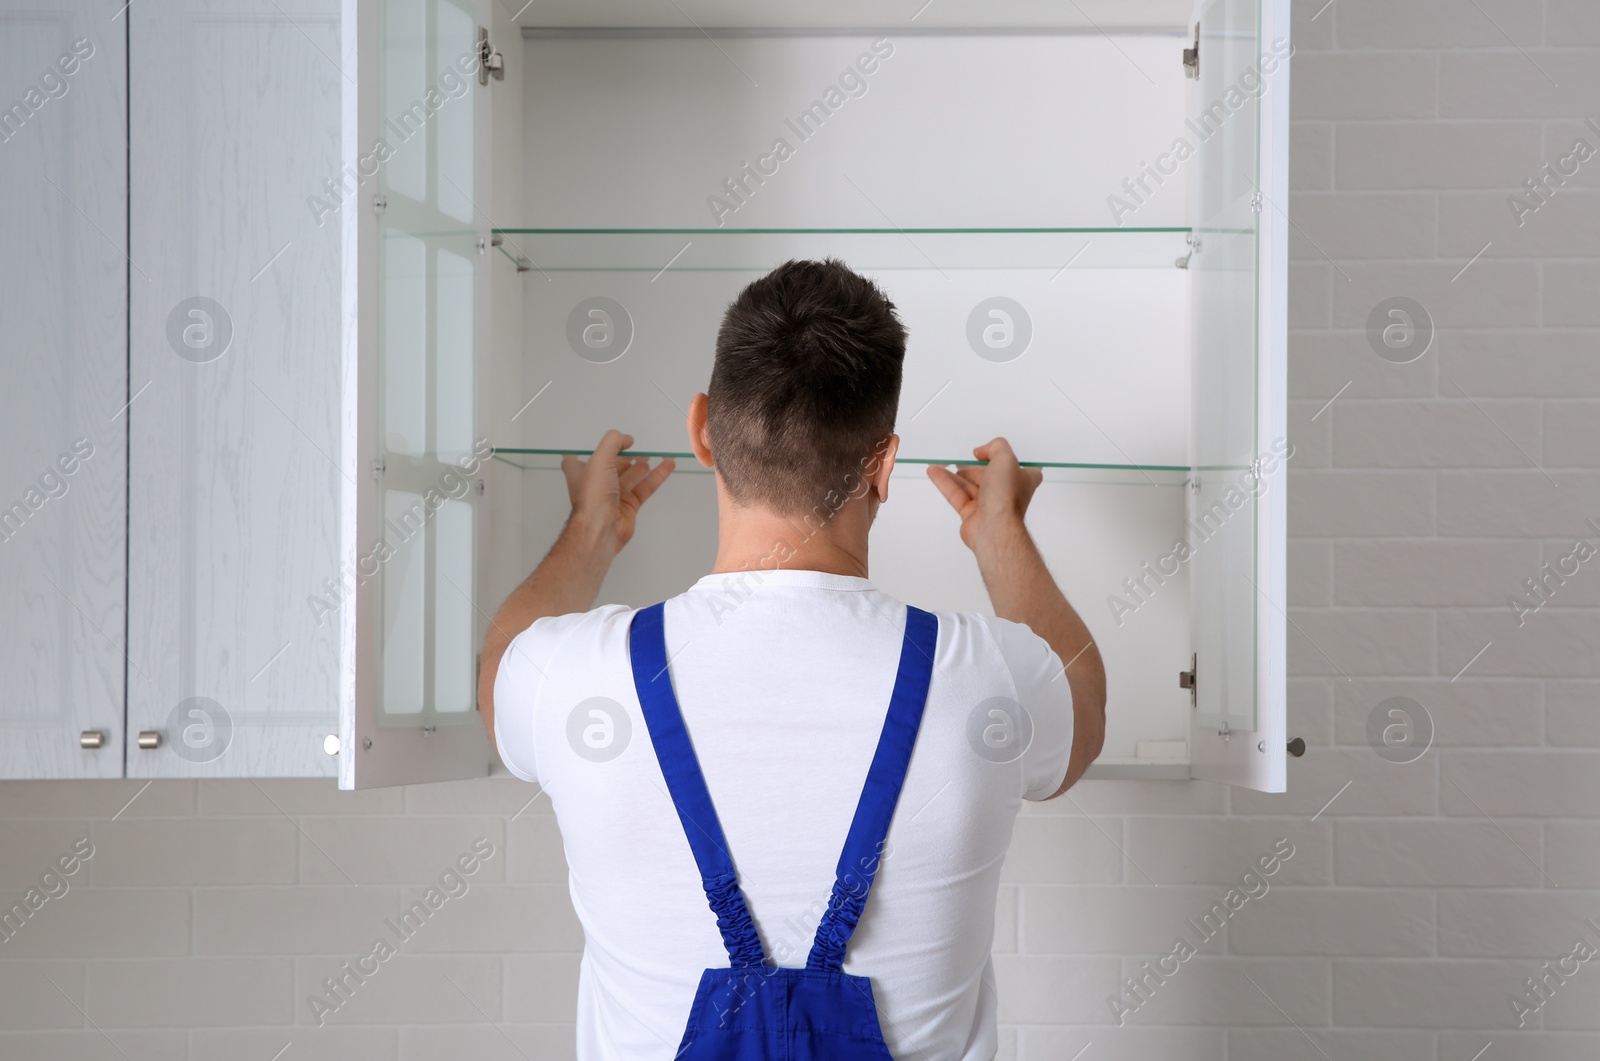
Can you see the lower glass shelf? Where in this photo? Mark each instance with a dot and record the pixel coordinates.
(1157, 474)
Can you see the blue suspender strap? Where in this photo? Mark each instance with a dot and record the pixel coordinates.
(858, 864)
(647, 651)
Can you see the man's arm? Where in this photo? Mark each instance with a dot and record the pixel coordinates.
(991, 501)
(606, 493)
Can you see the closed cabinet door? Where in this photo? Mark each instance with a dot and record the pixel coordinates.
(238, 583)
(1238, 270)
(63, 389)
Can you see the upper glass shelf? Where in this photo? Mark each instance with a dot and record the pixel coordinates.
(658, 250)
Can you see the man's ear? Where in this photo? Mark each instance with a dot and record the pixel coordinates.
(699, 437)
(883, 457)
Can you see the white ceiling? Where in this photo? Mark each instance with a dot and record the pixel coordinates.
(888, 15)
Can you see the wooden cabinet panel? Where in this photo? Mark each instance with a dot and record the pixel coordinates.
(63, 385)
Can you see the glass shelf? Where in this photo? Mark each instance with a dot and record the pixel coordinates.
(1156, 474)
(657, 250)
(1096, 388)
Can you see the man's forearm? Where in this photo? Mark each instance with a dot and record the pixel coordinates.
(567, 580)
(1021, 589)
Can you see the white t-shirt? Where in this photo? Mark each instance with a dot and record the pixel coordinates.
(783, 678)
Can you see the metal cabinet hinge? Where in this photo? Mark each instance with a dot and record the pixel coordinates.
(481, 487)
(1255, 468)
(490, 62)
(378, 467)
(1191, 57)
(1188, 679)
(1255, 201)
(379, 204)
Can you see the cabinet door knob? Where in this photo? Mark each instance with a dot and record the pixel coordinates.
(1297, 747)
(91, 739)
(150, 739)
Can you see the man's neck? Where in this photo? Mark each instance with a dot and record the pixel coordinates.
(758, 539)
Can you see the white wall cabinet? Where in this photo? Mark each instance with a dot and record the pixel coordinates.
(1088, 247)
(172, 330)
(329, 329)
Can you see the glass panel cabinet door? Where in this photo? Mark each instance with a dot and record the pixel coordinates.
(1238, 305)
(63, 386)
(419, 240)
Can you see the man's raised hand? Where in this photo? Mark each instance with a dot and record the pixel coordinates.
(607, 491)
(990, 499)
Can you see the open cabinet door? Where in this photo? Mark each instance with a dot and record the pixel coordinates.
(1237, 527)
(417, 154)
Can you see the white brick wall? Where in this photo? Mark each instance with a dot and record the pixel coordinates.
(1416, 901)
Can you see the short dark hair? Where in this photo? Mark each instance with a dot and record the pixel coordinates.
(805, 385)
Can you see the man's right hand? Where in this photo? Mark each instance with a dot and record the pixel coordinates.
(990, 499)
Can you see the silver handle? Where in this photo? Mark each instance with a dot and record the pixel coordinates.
(91, 739)
(150, 739)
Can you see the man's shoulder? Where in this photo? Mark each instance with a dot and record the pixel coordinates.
(990, 642)
(552, 637)
(984, 631)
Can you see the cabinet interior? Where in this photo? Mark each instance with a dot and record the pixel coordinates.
(934, 175)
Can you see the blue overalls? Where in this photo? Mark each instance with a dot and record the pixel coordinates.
(753, 1011)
